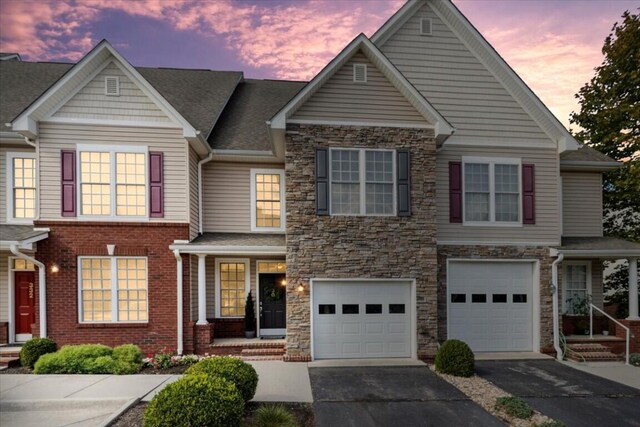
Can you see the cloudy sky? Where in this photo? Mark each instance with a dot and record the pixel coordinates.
(553, 44)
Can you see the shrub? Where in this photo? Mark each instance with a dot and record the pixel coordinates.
(34, 348)
(91, 359)
(634, 359)
(514, 406)
(196, 400)
(235, 370)
(128, 353)
(274, 416)
(455, 357)
(552, 423)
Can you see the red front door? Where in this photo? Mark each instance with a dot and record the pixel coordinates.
(25, 301)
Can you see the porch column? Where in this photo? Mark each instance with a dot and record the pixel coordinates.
(202, 290)
(633, 289)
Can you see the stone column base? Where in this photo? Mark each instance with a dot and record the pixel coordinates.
(203, 338)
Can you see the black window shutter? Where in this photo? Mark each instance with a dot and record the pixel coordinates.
(404, 183)
(322, 181)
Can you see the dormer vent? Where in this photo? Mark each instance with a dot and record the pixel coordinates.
(425, 27)
(111, 86)
(359, 73)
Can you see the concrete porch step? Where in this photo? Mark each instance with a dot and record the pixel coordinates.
(260, 358)
(10, 351)
(594, 356)
(590, 347)
(268, 351)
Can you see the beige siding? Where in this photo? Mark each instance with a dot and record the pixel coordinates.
(4, 286)
(92, 103)
(194, 214)
(56, 137)
(581, 204)
(456, 82)
(4, 175)
(547, 227)
(227, 196)
(342, 99)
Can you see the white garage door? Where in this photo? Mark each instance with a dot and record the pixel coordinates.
(490, 305)
(361, 319)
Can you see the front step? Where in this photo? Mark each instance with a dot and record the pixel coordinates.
(10, 356)
(9, 362)
(249, 352)
(253, 350)
(591, 352)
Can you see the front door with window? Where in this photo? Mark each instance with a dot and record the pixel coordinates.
(273, 305)
(25, 303)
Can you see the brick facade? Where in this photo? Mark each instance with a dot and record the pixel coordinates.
(634, 340)
(68, 240)
(359, 246)
(4, 332)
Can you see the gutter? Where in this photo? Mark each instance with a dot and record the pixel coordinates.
(179, 347)
(556, 315)
(42, 288)
(200, 163)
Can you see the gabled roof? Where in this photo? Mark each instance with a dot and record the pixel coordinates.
(361, 43)
(459, 24)
(20, 235)
(10, 56)
(587, 158)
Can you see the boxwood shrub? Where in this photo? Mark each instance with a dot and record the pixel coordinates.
(91, 359)
(235, 370)
(34, 348)
(196, 400)
(455, 357)
(515, 407)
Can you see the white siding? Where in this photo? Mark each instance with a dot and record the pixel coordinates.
(581, 204)
(194, 214)
(458, 85)
(546, 228)
(56, 137)
(227, 196)
(342, 99)
(4, 286)
(4, 174)
(92, 103)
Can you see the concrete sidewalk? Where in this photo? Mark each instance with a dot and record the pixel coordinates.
(614, 371)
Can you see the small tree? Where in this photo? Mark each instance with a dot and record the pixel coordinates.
(249, 315)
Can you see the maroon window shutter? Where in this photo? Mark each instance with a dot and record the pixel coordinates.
(68, 172)
(528, 194)
(156, 185)
(455, 192)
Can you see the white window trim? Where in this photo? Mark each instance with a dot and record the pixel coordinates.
(114, 290)
(565, 264)
(112, 150)
(10, 198)
(247, 283)
(492, 161)
(362, 180)
(283, 223)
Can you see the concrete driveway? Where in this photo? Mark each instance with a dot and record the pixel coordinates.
(574, 397)
(390, 396)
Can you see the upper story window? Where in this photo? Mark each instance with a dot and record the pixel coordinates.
(492, 191)
(267, 200)
(21, 186)
(362, 182)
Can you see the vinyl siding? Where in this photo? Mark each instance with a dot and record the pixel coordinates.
(456, 82)
(56, 137)
(92, 103)
(581, 204)
(342, 99)
(4, 176)
(227, 196)
(546, 229)
(4, 286)
(194, 214)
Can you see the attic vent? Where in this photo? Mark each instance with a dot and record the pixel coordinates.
(112, 86)
(359, 73)
(425, 26)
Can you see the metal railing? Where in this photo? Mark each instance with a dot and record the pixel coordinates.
(591, 307)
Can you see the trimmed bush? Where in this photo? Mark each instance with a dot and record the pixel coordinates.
(235, 370)
(128, 353)
(274, 416)
(34, 348)
(455, 357)
(634, 359)
(552, 423)
(196, 400)
(515, 407)
(91, 359)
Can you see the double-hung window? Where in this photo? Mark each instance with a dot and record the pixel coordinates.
(232, 286)
(492, 191)
(576, 285)
(21, 187)
(113, 181)
(362, 182)
(113, 289)
(267, 200)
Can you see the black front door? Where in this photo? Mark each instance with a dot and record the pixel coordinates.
(273, 303)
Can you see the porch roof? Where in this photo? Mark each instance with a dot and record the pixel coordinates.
(22, 236)
(234, 244)
(599, 247)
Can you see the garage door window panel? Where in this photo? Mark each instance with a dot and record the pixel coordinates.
(350, 309)
(396, 309)
(373, 309)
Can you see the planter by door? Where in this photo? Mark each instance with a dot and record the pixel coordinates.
(273, 305)
(25, 304)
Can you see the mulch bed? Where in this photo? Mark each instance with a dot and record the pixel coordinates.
(16, 370)
(302, 411)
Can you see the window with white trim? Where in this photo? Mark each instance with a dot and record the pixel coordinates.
(267, 200)
(576, 284)
(362, 182)
(113, 289)
(232, 285)
(21, 185)
(492, 191)
(113, 181)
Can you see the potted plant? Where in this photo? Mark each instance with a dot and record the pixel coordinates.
(605, 326)
(249, 318)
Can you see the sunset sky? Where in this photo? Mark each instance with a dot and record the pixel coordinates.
(552, 45)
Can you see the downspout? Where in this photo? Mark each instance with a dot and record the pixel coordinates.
(42, 288)
(200, 216)
(29, 142)
(179, 348)
(556, 315)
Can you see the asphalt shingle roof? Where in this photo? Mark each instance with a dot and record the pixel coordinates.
(598, 243)
(585, 154)
(17, 233)
(240, 239)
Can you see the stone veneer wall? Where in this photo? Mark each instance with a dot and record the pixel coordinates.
(500, 252)
(359, 246)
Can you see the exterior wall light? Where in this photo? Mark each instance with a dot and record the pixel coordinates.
(284, 282)
(300, 288)
(55, 268)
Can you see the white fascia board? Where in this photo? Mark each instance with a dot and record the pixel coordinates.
(229, 250)
(396, 21)
(599, 253)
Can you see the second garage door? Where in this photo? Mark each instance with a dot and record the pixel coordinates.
(361, 319)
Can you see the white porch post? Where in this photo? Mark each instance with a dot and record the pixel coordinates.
(202, 291)
(633, 289)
